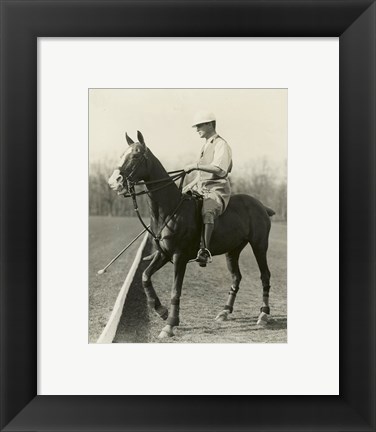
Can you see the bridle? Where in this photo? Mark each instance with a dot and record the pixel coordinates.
(176, 175)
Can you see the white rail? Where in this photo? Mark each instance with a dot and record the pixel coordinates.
(109, 331)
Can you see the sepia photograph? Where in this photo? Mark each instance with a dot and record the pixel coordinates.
(183, 229)
(188, 215)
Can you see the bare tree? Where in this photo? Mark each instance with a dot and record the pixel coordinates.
(257, 178)
(261, 180)
(105, 202)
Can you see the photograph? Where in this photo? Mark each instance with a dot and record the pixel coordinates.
(201, 236)
(188, 215)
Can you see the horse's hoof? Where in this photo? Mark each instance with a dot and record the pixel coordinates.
(223, 316)
(263, 319)
(166, 332)
(162, 312)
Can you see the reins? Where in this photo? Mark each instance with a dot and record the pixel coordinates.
(173, 176)
(156, 237)
(178, 174)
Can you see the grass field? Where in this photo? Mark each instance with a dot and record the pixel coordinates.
(204, 294)
(108, 236)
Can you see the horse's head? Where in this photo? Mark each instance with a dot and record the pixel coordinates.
(131, 167)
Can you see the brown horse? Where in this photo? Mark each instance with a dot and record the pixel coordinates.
(176, 227)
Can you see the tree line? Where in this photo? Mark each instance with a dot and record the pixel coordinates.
(258, 179)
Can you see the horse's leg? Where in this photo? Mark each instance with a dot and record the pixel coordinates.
(232, 259)
(260, 254)
(150, 257)
(159, 260)
(180, 264)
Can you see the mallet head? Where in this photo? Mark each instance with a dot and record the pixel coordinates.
(101, 271)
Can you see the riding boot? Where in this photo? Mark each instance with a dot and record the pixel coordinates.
(204, 256)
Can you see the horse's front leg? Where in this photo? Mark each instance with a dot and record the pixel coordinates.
(159, 260)
(180, 264)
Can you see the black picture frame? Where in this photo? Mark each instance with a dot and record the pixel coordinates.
(22, 22)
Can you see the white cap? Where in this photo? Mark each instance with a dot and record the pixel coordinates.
(203, 117)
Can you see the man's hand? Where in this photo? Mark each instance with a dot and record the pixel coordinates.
(189, 187)
(190, 167)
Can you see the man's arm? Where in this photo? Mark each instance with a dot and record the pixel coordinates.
(190, 185)
(220, 164)
(207, 168)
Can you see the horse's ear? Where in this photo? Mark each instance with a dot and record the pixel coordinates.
(140, 138)
(129, 140)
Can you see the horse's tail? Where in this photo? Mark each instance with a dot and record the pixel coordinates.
(269, 211)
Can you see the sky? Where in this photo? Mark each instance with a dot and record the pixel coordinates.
(252, 121)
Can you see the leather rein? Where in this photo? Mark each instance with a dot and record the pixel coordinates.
(176, 175)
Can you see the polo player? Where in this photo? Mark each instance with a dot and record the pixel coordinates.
(212, 182)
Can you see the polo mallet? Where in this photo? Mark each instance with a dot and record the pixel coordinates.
(122, 251)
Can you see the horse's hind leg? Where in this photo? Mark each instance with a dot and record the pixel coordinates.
(159, 260)
(260, 254)
(232, 259)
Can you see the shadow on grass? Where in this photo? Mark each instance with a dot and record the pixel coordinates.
(275, 323)
(134, 325)
(237, 325)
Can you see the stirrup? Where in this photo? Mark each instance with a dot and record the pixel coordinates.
(204, 257)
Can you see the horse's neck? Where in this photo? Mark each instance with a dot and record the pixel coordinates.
(164, 200)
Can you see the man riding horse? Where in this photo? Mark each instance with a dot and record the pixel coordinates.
(212, 182)
(174, 218)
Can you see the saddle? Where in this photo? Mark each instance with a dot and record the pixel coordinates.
(196, 197)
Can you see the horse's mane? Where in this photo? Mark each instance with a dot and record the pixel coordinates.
(159, 170)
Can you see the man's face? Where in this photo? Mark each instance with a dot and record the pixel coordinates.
(204, 129)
